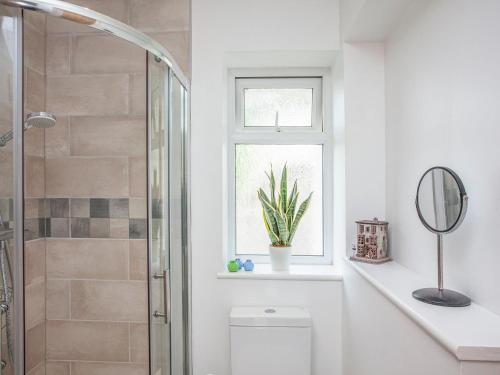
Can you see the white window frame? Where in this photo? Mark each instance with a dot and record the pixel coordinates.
(320, 133)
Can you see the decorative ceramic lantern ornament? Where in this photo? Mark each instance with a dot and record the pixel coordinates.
(371, 241)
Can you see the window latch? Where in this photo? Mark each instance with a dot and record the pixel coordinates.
(276, 122)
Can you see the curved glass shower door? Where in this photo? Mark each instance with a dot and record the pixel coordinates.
(168, 221)
(73, 293)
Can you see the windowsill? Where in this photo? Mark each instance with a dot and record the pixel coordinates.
(297, 272)
(471, 333)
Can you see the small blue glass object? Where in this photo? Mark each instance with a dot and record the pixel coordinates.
(240, 263)
(248, 265)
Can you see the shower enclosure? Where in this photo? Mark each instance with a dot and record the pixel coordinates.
(94, 213)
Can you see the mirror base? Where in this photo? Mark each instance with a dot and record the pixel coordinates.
(444, 297)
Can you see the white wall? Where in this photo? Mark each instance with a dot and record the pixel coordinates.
(443, 95)
(364, 84)
(221, 28)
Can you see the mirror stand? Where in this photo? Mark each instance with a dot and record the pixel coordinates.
(440, 296)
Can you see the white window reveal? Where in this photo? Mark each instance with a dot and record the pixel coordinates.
(277, 117)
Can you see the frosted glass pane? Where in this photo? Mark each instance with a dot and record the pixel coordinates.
(304, 164)
(294, 107)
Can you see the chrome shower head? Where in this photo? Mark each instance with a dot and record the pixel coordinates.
(40, 120)
(37, 120)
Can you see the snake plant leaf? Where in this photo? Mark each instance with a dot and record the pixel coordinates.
(269, 211)
(302, 209)
(262, 195)
(283, 196)
(292, 194)
(272, 184)
(272, 236)
(284, 233)
(290, 213)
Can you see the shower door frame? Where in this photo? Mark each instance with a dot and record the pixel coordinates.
(101, 22)
(178, 265)
(18, 194)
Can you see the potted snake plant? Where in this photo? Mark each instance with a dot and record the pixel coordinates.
(281, 218)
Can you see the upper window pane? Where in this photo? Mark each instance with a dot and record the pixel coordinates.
(284, 107)
(290, 102)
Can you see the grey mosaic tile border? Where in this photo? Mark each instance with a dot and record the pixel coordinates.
(85, 218)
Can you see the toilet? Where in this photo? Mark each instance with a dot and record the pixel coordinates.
(270, 341)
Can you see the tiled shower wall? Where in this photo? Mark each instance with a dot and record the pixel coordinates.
(95, 187)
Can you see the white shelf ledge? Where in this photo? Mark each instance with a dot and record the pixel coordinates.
(297, 272)
(471, 333)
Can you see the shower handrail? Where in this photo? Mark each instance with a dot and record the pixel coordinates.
(101, 22)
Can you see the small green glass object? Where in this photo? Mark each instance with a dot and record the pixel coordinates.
(233, 266)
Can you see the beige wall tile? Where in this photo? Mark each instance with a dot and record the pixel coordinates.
(87, 259)
(57, 138)
(58, 299)
(35, 346)
(86, 368)
(57, 368)
(138, 262)
(138, 208)
(34, 261)
(117, 9)
(38, 370)
(35, 19)
(87, 177)
(87, 341)
(114, 55)
(137, 176)
(34, 142)
(34, 90)
(160, 15)
(178, 44)
(108, 136)
(34, 183)
(138, 94)
(82, 95)
(139, 342)
(109, 300)
(34, 48)
(58, 51)
(34, 300)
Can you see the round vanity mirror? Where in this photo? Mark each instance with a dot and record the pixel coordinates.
(441, 206)
(441, 200)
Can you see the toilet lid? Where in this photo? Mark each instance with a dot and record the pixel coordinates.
(269, 316)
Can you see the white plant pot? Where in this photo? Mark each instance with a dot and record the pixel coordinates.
(280, 257)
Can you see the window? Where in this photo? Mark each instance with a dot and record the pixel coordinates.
(279, 102)
(277, 118)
